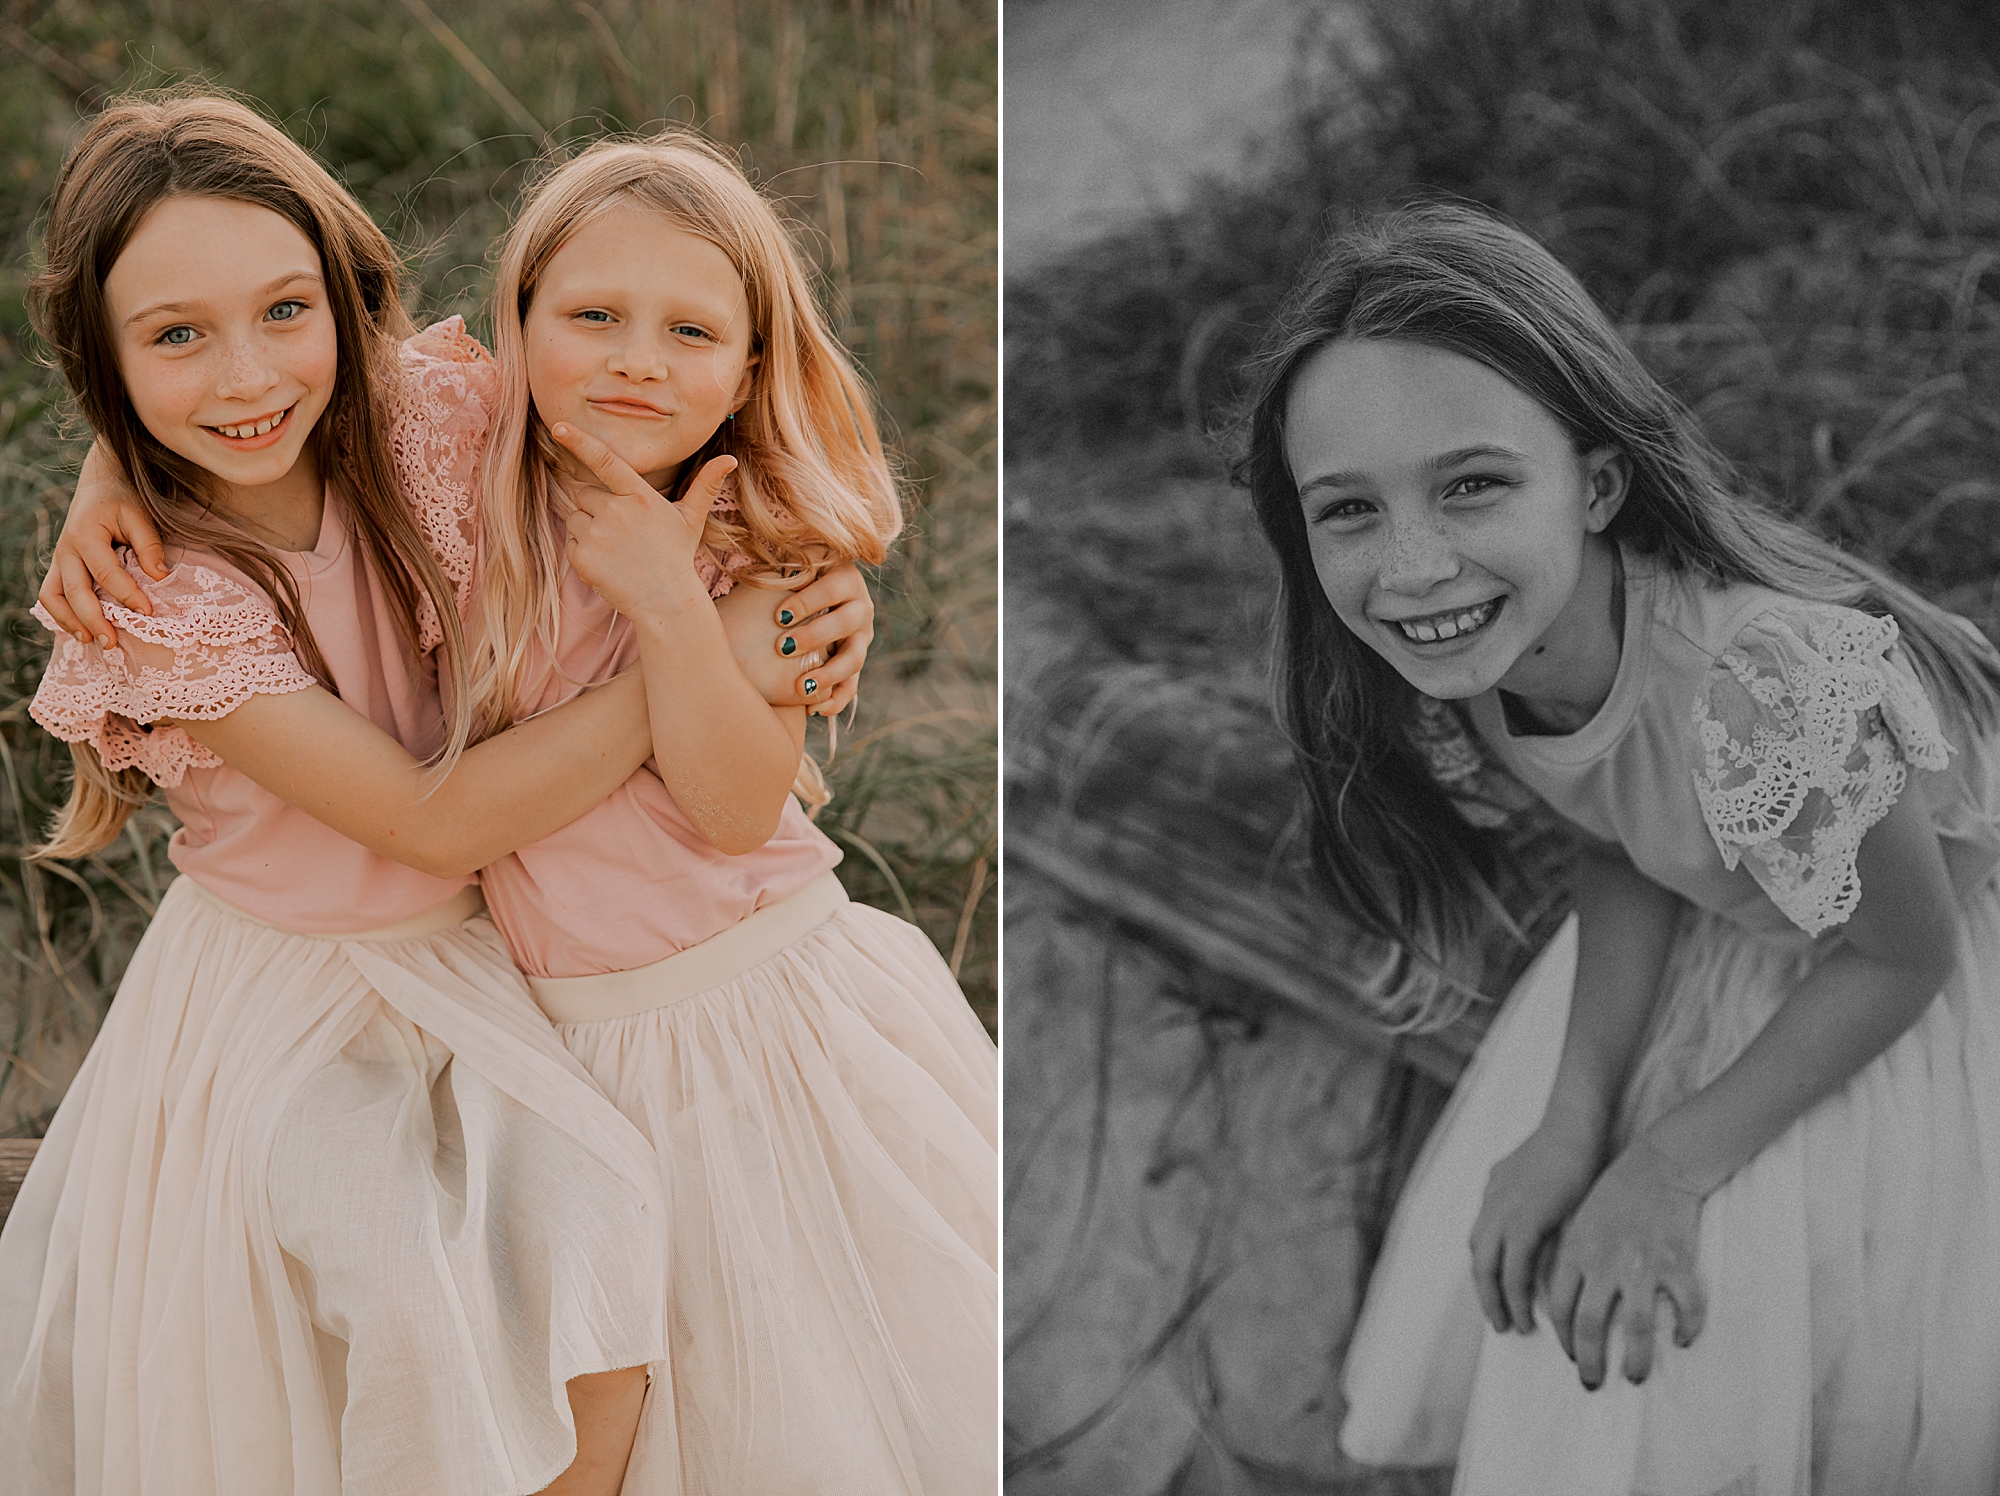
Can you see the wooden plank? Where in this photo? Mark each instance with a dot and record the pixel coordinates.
(15, 1156)
(1210, 926)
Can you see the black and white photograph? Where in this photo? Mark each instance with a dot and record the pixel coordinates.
(1501, 945)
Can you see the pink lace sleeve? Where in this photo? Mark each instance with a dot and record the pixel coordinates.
(718, 570)
(1809, 725)
(210, 644)
(439, 418)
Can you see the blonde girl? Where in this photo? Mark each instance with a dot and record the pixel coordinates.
(1734, 1205)
(820, 1094)
(328, 1207)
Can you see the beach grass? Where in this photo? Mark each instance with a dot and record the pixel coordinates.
(874, 122)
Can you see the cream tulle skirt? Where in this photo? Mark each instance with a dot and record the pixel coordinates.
(824, 1106)
(321, 1215)
(1852, 1346)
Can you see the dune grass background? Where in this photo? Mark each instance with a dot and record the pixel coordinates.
(1793, 210)
(874, 119)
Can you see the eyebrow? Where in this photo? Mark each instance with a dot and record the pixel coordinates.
(1443, 462)
(270, 288)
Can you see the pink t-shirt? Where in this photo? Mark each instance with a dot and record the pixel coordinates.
(214, 640)
(631, 881)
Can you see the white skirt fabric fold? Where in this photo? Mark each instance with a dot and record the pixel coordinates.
(824, 1107)
(321, 1215)
(1852, 1345)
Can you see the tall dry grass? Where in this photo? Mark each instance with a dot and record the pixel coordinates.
(875, 120)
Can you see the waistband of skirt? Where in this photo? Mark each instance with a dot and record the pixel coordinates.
(455, 910)
(700, 968)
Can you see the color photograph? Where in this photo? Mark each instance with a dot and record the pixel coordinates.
(500, 736)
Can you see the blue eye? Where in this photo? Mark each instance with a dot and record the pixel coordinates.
(285, 311)
(176, 337)
(596, 317)
(689, 330)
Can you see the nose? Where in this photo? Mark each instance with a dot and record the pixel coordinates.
(1420, 555)
(246, 373)
(639, 355)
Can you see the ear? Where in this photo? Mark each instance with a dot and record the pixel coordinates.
(747, 384)
(1608, 471)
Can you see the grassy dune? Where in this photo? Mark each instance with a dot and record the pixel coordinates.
(1794, 212)
(876, 123)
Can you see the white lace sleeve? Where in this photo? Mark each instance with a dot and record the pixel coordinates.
(1809, 722)
(209, 645)
(440, 415)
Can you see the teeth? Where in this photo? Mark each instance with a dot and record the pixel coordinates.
(1445, 625)
(260, 428)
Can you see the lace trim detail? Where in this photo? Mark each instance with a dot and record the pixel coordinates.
(719, 570)
(211, 646)
(439, 417)
(1805, 743)
(1483, 793)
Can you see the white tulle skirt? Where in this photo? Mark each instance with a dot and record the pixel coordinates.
(321, 1215)
(1852, 1346)
(824, 1106)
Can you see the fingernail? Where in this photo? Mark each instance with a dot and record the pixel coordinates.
(103, 641)
(784, 618)
(810, 686)
(788, 645)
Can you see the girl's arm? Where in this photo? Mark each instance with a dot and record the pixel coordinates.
(1896, 951)
(830, 620)
(1625, 925)
(1634, 1237)
(314, 751)
(726, 755)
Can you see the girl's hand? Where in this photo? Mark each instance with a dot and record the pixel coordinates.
(832, 616)
(105, 512)
(1528, 1196)
(1633, 1239)
(631, 544)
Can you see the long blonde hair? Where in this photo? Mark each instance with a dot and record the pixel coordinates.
(139, 151)
(813, 486)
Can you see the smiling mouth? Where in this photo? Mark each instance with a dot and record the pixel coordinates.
(248, 431)
(1435, 628)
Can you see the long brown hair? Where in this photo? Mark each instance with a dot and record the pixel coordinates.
(1386, 837)
(139, 151)
(813, 485)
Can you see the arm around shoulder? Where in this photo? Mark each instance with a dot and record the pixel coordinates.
(312, 750)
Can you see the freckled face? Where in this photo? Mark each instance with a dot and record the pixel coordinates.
(1447, 512)
(639, 333)
(224, 337)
